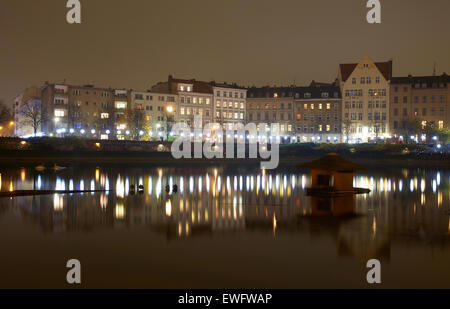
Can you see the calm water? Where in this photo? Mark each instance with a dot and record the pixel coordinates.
(225, 228)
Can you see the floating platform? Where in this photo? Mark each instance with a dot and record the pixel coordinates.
(331, 192)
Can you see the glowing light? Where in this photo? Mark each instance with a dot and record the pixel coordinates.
(119, 211)
(168, 208)
(58, 203)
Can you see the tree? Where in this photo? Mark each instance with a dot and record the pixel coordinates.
(137, 123)
(347, 128)
(5, 114)
(411, 128)
(31, 111)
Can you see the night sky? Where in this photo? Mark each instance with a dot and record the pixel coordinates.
(136, 43)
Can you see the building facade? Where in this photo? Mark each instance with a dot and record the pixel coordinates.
(85, 110)
(27, 113)
(365, 88)
(194, 98)
(230, 103)
(419, 100)
(318, 110)
(272, 105)
(160, 112)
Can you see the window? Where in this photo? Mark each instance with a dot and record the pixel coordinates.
(121, 105)
(368, 80)
(104, 115)
(59, 113)
(377, 80)
(328, 105)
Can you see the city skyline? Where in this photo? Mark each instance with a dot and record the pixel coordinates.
(92, 53)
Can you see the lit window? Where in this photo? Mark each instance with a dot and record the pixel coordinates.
(104, 115)
(59, 113)
(121, 105)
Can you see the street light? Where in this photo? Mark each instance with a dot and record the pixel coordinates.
(168, 114)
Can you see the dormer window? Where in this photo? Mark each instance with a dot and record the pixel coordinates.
(325, 95)
(307, 95)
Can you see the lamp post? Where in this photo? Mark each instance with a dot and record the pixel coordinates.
(169, 113)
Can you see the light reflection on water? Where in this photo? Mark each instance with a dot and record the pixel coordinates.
(404, 205)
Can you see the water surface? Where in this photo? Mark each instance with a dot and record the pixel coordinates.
(224, 228)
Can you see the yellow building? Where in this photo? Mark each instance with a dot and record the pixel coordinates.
(365, 90)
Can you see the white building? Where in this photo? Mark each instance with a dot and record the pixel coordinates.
(230, 105)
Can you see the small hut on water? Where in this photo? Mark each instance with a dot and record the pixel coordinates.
(332, 175)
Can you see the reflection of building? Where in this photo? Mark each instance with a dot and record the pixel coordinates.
(400, 210)
(365, 95)
(419, 99)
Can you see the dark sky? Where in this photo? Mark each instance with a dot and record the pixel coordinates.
(135, 43)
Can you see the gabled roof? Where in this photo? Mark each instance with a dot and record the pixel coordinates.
(347, 69)
(332, 162)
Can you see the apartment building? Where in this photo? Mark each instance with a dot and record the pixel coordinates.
(230, 102)
(160, 111)
(85, 110)
(419, 99)
(318, 110)
(272, 105)
(365, 88)
(194, 98)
